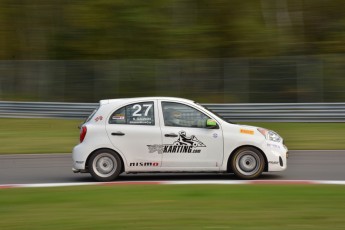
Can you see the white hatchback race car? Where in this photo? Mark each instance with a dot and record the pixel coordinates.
(164, 134)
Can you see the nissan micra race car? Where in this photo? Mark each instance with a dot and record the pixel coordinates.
(163, 134)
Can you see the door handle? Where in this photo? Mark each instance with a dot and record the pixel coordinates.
(171, 135)
(118, 134)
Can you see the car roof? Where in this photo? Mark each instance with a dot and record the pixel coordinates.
(122, 100)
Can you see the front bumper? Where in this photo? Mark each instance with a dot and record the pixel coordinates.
(79, 170)
(287, 152)
(277, 155)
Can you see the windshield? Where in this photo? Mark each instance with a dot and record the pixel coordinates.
(215, 113)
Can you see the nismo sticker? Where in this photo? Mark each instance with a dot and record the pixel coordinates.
(183, 144)
(144, 164)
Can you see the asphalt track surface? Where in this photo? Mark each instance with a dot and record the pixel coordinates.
(56, 168)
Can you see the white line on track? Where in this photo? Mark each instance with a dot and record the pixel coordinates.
(187, 182)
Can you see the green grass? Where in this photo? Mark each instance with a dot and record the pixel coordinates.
(38, 135)
(59, 136)
(311, 136)
(174, 207)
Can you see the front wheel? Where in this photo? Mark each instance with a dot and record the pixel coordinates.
(104, 165)
(248, 163)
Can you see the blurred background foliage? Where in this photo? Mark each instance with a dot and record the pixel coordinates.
(210, 51)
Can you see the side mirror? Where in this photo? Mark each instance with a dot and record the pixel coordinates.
(211, 124)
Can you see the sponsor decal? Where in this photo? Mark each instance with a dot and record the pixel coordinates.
(247, 131)
(273, 146)
(183, 144)
(155, 148)
(118, 117)
(273, 162)
(144, 164)
(99, 118)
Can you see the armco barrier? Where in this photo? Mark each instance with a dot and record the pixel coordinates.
(268, 112)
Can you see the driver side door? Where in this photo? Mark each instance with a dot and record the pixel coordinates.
(188, 144)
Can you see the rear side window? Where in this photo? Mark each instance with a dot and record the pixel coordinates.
(134, 114)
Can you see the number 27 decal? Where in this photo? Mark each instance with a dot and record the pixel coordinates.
(137, 112)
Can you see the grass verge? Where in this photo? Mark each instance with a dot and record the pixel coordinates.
(174, 207)
(309, 136)
(38, 135)
(59, 136)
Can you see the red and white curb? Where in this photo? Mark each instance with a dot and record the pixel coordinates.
(186, 182)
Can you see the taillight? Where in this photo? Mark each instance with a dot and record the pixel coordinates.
(82, 133)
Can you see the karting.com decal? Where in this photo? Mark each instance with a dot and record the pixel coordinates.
(183, 144)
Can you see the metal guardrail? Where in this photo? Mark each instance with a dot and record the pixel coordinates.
(9, 109)
(268, 112)
(282, 112)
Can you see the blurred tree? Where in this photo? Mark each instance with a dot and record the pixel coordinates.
(189, 38)
(108, 29)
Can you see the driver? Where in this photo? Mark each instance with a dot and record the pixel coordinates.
(173, 117)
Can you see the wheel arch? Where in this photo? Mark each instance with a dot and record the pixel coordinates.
(88, 158)
(229, 169)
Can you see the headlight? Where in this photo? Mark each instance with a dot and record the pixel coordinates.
(270, 135)
(273, 136)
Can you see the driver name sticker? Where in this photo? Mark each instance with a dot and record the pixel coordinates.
(183, 144)
(140, 120)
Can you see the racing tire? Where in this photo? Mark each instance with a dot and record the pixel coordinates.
(247, 163)
(105, 165)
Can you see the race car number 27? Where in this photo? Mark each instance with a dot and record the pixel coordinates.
(138, 110)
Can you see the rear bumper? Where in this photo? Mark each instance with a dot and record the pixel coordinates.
(79, 157)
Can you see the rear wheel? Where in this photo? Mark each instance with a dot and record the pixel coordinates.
(104, 165)
(248, 163)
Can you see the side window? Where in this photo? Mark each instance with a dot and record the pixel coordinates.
(134, 114)
(180, 115)
(118, 117)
